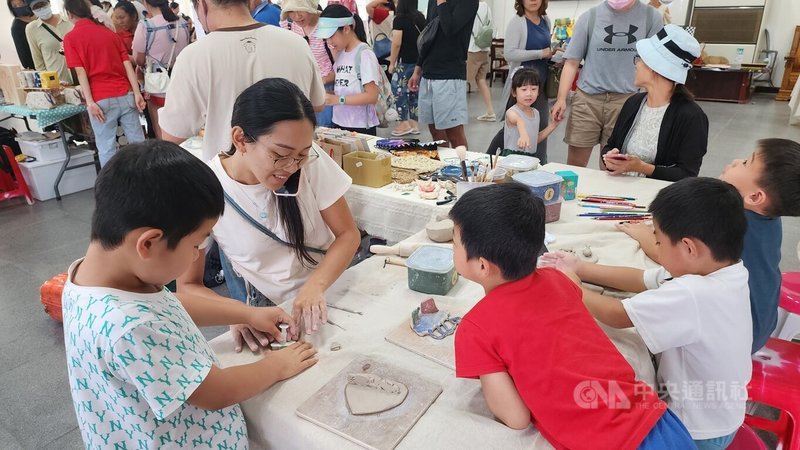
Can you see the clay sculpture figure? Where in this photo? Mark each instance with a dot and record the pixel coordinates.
(428, 320)
(368, 393)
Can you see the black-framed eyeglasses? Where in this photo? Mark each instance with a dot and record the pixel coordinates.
(636, 59)
(284, 162)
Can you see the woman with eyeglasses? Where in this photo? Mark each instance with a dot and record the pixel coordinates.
(661, 133)
(287, 233)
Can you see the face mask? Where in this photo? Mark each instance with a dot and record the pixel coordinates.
(618, 4)
(22, 11)
(44, 13)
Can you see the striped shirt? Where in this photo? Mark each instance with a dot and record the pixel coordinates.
(317, 47)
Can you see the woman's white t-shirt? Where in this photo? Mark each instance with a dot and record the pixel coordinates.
(270, 266)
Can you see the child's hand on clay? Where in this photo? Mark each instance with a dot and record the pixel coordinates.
(293, 359)
(268, 319)
(560, 260)
(639, 231)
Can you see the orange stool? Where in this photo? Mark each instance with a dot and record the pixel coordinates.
(746, 439)
(776, 377)
(51, 296)
(789, 326)
(10, 187)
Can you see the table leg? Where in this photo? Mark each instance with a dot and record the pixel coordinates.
(66, 161)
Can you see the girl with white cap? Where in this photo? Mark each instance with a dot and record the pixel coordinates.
(661, 133)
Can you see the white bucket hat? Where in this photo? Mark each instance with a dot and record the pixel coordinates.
(309, 6)
(670, 52)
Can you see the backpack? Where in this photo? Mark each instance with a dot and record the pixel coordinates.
(483, 38)
(385, 107)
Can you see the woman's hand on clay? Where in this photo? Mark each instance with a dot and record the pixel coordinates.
(267, 320)
(293, 359)
(639, 231)
(245, 334)
(309, 309)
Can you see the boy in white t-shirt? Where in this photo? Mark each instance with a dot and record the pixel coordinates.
(140, 372)
(698, 322)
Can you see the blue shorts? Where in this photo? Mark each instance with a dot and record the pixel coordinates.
(668, 434)
(442, 103)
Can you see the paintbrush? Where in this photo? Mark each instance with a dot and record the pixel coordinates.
(461, 151)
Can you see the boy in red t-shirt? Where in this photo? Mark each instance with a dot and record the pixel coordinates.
(539, 354)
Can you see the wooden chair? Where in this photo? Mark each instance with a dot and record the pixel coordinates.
(497, 65)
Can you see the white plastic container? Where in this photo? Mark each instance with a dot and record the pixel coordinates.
(52, 150)
(518, 163)
(545, 185)
(41, 176)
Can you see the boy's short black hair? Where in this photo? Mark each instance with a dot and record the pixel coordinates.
(503, 223)
(707, 209)
(154, 184)
(780, 178)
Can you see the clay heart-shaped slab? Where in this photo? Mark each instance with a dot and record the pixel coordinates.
(371, 394)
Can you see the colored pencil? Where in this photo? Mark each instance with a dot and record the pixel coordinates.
(614, 197)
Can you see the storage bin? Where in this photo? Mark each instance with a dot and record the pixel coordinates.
(431, 270)
(518, 163)
(545, 185)
(52, 150)
(41, 175)
(366, 169)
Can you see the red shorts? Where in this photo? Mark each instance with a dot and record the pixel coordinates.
(158, 101)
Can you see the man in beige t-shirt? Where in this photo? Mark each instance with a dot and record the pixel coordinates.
(45, 36)
(212, 72)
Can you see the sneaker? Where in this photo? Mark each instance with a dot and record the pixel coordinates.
(488, 118)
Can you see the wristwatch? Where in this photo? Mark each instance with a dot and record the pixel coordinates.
(341, 100)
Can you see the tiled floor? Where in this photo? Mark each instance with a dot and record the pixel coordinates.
(41, 240)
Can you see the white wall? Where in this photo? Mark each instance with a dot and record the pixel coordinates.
(503, 10)
(781, 18)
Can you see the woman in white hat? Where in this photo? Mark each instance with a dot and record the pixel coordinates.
(661, 133)
(302, 18)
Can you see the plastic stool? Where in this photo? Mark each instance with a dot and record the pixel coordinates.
(746, 439)
(10, 187)
(789, 306)
(776, 376)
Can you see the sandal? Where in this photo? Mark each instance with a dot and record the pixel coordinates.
(488, 118)
(402, 133)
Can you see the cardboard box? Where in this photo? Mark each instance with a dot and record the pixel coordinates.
(367, 170)
(335, 151)
(9, 83)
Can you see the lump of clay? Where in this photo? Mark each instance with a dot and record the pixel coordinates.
(368, 393)
(428, 320)
(428, 307)
(441, 231)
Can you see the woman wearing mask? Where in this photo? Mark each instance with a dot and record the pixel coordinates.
(126, 18)
(158, 41)
(23, 15)
(287, 233)
(107, 79)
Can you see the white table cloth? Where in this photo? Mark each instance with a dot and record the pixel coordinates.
(459, 418)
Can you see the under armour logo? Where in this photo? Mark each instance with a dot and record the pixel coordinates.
(610, 30)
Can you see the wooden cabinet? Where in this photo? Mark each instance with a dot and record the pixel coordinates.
(792, 68)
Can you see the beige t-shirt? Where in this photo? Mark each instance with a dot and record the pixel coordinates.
(47, 51)
(268, 265)
(212, 72)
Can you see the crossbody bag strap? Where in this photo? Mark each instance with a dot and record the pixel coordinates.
(261, 227)
(49, 30)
